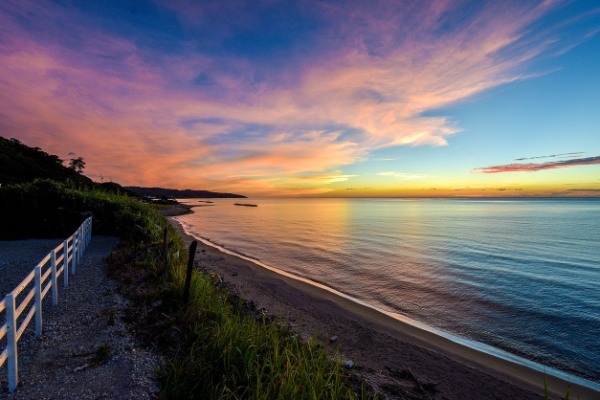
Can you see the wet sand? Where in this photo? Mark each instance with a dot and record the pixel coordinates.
(399, 360)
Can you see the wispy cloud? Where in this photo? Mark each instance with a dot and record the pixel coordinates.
(532, 167)
(404, 175)
(572, 154)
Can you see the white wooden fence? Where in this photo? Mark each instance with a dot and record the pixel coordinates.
(57, 262)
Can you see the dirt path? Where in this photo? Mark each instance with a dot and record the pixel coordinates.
(86, 350)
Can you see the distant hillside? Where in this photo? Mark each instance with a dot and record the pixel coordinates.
(20, 163)
(181, 194)
(113, 187)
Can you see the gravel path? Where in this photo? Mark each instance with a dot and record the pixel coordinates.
(60, 363)
(17, 259)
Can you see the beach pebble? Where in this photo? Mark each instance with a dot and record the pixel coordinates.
(333, 339)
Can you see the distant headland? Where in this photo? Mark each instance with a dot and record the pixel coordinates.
(182, 194)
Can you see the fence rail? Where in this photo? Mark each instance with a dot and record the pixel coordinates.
(57, 262)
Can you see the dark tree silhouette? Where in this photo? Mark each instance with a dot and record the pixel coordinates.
(20, 163)
(77, 164)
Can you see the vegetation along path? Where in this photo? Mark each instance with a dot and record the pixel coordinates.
(86, 351)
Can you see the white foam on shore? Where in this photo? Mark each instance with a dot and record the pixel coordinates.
(466, 343)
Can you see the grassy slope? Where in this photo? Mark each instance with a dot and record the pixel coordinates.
(216, 348)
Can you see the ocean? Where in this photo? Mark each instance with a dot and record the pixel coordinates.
(522, 275)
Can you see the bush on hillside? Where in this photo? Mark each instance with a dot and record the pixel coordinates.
(47, 208)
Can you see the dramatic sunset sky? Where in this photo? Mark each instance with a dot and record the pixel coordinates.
(311, 98)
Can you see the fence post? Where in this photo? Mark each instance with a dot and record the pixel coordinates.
(190, 267)
(53, 277)
(87, 232)
(11, 343)
(38, 300)
(81, 243)
(78, 245)
(74, 253)
(90, 230)
(66, 263)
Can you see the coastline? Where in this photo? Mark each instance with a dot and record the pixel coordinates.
(392, 355)
(177, 209)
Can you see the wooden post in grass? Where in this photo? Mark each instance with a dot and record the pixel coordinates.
(166, 248)
(190, 267)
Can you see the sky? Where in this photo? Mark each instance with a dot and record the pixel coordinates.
(311, 98)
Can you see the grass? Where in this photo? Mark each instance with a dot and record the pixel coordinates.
(547, 391)
(229, 355)
(215, 348)
(101, 355)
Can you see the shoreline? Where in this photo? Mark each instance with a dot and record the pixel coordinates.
(393, 352)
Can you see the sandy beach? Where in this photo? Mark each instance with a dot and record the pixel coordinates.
(398, 359)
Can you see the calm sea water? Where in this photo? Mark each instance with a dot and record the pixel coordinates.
(520, 275)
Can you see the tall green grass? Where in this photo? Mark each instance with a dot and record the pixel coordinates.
(227, 354)
(216, 348)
